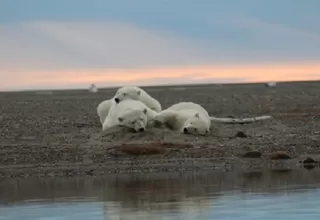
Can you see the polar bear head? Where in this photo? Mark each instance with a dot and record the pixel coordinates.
(135, 119)
(129, 92)
(195, 125)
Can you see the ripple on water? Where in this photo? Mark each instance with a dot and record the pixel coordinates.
(177, 197)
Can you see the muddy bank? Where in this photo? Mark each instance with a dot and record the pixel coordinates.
(157, 188)
(60, 134)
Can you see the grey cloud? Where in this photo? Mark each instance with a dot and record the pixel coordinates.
(93, 45)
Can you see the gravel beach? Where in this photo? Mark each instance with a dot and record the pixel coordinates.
(59, 133)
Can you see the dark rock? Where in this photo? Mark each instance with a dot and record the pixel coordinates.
(309, 160)
(309, 163)
(309, 166)
(89, 172)
(252, 154)
(253, 175)
(279, 155)
(241, 134)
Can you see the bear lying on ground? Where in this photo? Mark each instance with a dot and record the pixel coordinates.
(124, 93)
(136, 93)
(186, 117)
(192, 118)
(129, 113)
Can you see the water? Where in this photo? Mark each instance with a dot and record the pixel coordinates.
(268, 195)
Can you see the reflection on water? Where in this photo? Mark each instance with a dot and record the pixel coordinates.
(215, 195)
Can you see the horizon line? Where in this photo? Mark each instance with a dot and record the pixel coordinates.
(162, 85)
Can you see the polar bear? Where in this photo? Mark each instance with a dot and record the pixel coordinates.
(186, 117)
(136, 93)
(129, 113)
(192, 118)
(103, 109)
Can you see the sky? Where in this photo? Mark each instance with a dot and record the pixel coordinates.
(73, 43)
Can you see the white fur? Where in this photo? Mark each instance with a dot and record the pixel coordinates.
(186, 117)
(136, 93)
(189, 117)
(129, 113)
(103, 109)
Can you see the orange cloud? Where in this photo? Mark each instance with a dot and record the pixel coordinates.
(144, 76)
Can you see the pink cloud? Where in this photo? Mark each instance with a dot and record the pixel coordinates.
(171, 75)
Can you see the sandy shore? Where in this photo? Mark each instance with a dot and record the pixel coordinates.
(60, 134)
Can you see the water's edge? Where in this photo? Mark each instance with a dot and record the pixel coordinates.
(141, 165)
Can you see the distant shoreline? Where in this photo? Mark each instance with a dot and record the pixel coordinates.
(159, 86)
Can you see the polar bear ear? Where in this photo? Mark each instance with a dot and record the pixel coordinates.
(120, 119)
(145, 111)
(139, 92)
(196, 115)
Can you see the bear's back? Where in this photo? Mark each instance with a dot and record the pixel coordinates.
(130, 104)
(190, 108)
(187, 105)
(151, 102)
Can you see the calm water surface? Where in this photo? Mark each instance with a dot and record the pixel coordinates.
(268, 195)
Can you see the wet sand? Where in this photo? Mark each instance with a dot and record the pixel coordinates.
(60, 134)
(155, 188)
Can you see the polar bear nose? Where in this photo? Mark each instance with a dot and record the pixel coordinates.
(116, 100)
(141, 129)
(185, 130)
